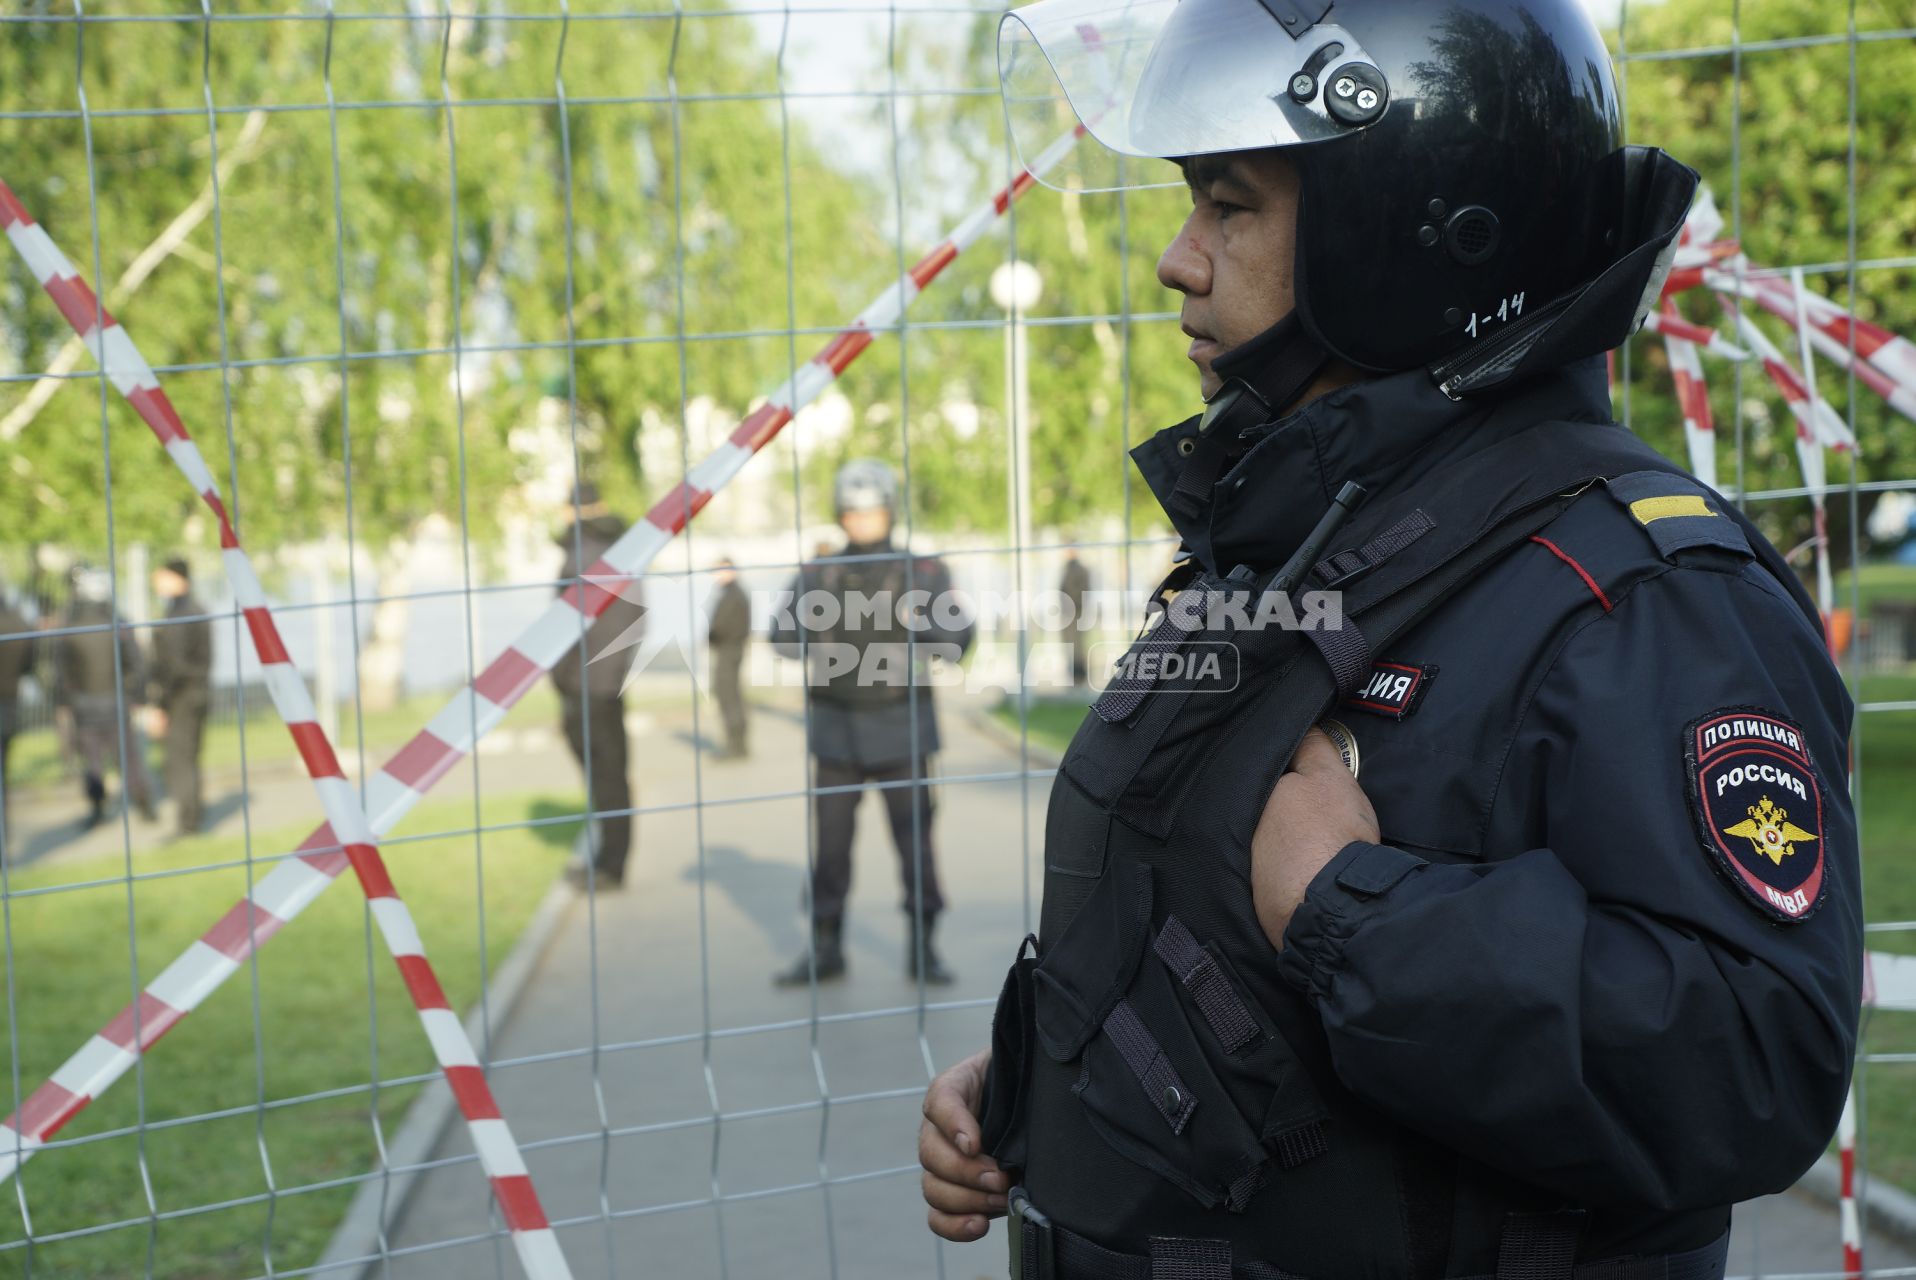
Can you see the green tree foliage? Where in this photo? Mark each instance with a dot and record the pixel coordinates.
(1770, 132)
(1101, 377)
(439, 218)
(700, 212)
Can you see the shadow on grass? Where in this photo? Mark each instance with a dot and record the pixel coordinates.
(554, 822)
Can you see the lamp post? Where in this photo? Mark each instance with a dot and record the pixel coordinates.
(1016, 287)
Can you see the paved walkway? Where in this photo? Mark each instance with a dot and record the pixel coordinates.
(710, 909)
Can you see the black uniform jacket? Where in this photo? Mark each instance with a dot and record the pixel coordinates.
(870, 667)
(597, 667)
(730, 626)
(182, 669)
(1607, 951)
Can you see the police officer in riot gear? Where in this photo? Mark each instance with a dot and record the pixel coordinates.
(590, 678)
(180, 688)
(1572, 963)
(728, 630)
(96, 697)
(870, 622)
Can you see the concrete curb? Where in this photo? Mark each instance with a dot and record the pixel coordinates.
(1885, 1207)
(988, 725)
(353, 1250)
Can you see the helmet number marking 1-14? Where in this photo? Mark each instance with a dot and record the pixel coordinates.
(1509, 309)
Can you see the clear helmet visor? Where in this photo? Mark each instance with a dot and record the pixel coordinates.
(1158, 79)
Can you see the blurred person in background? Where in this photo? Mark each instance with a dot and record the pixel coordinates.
(871, 716)
(19, 645)
(591, 683)
(93, 699)
(1075, 586)
(728, 632)
(180, 688)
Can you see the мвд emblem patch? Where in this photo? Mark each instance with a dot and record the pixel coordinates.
(1759, 808)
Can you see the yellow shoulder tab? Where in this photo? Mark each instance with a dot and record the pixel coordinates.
(1677, 512)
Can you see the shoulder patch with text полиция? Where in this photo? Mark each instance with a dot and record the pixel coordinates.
(1759, 808)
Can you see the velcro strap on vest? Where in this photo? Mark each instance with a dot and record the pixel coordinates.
(1295, 1146)
(1539, 1246)
(1216, 998)
(1334, 571)
(1346, 652)
(1183, 618)
(1177, 1258)
(1705, 1263)
(1169, 1095)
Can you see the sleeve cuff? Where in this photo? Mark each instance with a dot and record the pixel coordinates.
(1334, 907)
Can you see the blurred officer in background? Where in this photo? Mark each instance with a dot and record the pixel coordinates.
(18, 648)
(1075, 586)
(180, 687)
(97, 706)
(727, 633)
(591, 683)
(868, 649)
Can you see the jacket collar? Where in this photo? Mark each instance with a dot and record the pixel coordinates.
(1381, 433)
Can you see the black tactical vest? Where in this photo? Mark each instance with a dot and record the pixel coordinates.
(1152, 1073)
(868, 593)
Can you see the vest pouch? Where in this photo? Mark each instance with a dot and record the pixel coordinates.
(1144, 1082)
(1001, 1124)
(1240, 1042)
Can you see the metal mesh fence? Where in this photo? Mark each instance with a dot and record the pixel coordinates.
(410, 273)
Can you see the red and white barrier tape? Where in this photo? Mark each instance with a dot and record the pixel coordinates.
(1889, 982)
(1828, 333)
(1851, 1219)
(1814, 417)
(1818, 427)
(1893, 356)
(402, 781)
(1693, 396)
(1814, 472)
(1888, 362)
(347, 838)
(1670, 322)
(1699, 253)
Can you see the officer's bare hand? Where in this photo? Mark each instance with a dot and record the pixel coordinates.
(964, 1187)
(1314, 811)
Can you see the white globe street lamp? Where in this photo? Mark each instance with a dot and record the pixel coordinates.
(1016, 287)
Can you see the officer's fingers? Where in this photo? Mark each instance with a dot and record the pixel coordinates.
(941, 1159)
(952, 1100)
(949, 1197)
(1318, 754)
(958, 1228)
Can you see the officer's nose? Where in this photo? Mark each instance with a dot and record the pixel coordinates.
(1184, 265)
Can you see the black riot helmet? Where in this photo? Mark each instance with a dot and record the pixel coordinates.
(864, 484)
(1465, 203)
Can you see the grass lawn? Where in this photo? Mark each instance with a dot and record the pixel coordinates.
(1051, 723)
(1886, 752)
(1893, 583)
(36, 759)
(318, 1028)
